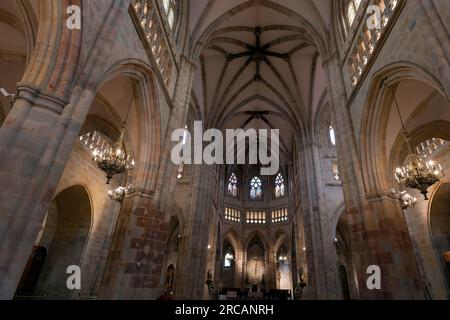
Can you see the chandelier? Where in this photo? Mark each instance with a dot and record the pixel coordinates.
(120, 193)
(418, 172)
(405, 199)
(427, 148)
(112, 159)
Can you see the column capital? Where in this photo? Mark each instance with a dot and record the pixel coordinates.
(38, 97)
(187, 60)
(333, 57)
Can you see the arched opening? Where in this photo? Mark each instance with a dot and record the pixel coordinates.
(60, 244)
(172, 250)
(169, 280)
(424, 110)
(284, 271)
(343, 276)
(228, 266)
(256, 267)
(18, 24)
(343, 252)
(440, 227)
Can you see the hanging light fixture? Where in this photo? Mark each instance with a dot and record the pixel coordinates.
(429, 147)
(405, 199)
(418, 173)
(282, 257)
(120, 193)
(112, 159)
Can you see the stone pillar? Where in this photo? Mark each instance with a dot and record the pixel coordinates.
(24, 139)
(379, 235)
(436, 41)
(192, 272)
(320, 253)
(168, 171)
(134, 267)
(271, 278)
(37, 137)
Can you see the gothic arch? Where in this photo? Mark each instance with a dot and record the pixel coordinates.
(257, 235)
(337, 215)
(432, 129)
(148, 113)
(279, 239)
(373, 129)
(233, 237)
(438, 218)
(65, 241)
(30, 22)
(51, 74)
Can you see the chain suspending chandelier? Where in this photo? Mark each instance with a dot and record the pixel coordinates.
(418, 172)
(112, 159)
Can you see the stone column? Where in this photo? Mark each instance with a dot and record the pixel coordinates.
(320, 254)
(167, 178)
(191, 276)
(271, 278)
(379, 235)
(38, 135)
(24, 139)
(134, 267)
(436, 41)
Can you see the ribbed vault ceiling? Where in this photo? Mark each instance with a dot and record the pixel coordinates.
(259, 65)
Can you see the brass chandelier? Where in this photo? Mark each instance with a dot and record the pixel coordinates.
(112, 159)
(405, 199)
(418, 172)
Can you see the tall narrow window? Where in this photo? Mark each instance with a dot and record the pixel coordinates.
(170, 7)
(351, 8)
(232, 185)
(335, 168)
(228, 259)
(332, 135)
(280, 189)
(256, 189)
(180, 172)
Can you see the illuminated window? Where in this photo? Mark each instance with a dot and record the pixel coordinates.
(256, 217)
(351, 7)
(332, 135)
(166, 4)
(233, 215)
(280, 189)
(256, 189)
(228, 260)
(279, 215)
(336, 174)
(232, 185)
(170, 7)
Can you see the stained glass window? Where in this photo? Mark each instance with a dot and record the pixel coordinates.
(232, 185)
(280, 189)
(255, 189)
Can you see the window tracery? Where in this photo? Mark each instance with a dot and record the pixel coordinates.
(280, 189)
(256, 189)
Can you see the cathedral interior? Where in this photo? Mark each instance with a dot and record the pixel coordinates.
(93, 207)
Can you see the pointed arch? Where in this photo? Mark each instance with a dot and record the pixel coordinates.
(374, 120)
